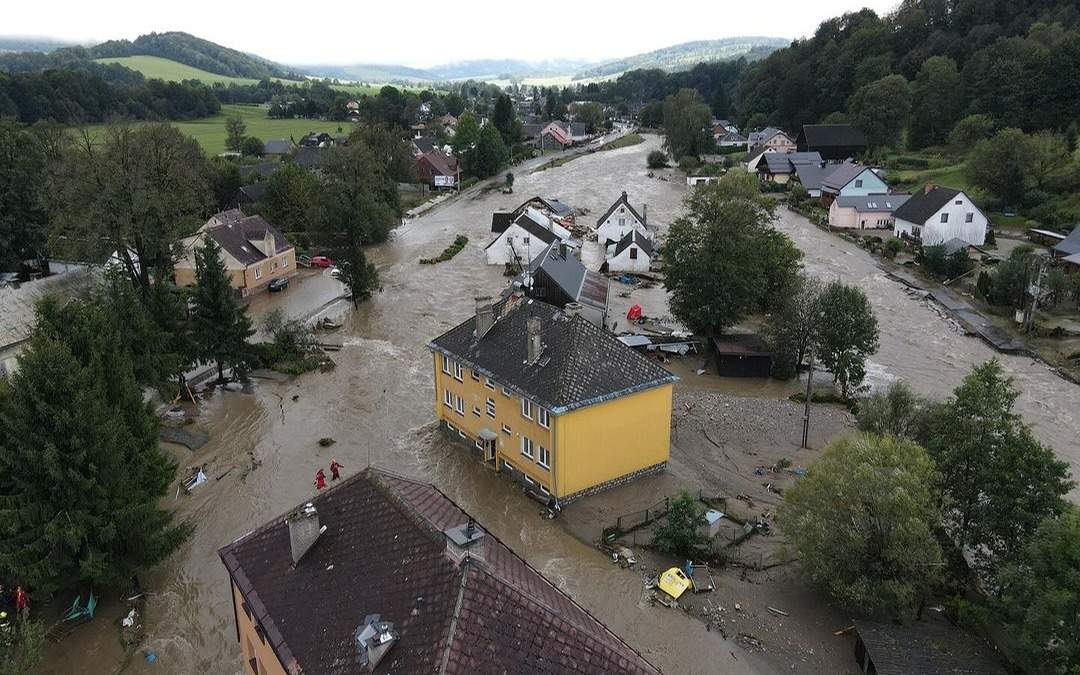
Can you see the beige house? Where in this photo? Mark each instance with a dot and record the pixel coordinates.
(254, 251)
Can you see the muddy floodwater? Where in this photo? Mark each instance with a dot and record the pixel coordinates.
(378, 406)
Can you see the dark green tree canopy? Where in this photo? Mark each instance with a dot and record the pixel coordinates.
(221, 324)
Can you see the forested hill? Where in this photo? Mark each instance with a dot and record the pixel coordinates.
(1016, 61)
(177, 46)
(688, 54)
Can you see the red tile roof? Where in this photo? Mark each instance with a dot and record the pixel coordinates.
(384, 552)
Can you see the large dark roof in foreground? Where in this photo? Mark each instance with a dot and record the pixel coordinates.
(581, 363)
(384, 552)
(826, 135)
(928, 647)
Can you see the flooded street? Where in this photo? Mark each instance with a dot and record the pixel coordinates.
(919, 347)
(378, 406)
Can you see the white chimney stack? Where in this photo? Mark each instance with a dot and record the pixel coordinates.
(304, 530)
(532, 327)
(485, 316)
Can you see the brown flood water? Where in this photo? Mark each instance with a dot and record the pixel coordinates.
(378, 405)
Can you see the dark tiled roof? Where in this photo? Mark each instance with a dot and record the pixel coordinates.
(581, 364)
(440, 163)
(254, 192)
(264, 169)
(922, 205)
(500, 220)
(567, 272)
(635, 237)
(424, 144)
(929, 647)
(236, 237)
(830, 135)
(310, 158)
(621, 201)
(554, 205)
(840, 175)
(811, 175)
(1070, 244)
(277, 147)
(384, 552)
(534, 229)
(785, 162)
(873, 203)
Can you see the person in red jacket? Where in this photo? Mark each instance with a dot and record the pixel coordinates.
(320, 480)
(335, 469)
(22, 602)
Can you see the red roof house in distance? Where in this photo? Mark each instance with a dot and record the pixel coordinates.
(385, 574)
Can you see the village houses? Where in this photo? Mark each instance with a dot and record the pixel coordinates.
(937, 214)
(522, 384)
(865, 212)
(620, 218)
(633, 253)
(834, 142)
(323, 589)
(253, 250)
(522, 233)
(557, 277)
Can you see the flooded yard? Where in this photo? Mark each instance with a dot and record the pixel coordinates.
(378, 407)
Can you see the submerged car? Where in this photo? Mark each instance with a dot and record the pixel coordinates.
(321, 261)
(279, 284)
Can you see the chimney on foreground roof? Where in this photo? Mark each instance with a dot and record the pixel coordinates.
(485, 316)
(532, 328)
(461, 541)
(304, 530)
(573, 309)
(374, 638)
(644, 214)
(928, 187)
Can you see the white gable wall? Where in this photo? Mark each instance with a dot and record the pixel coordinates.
(524, 245)
(625, 262)
(621, 221)
(934, 232)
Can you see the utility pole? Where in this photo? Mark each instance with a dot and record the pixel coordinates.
(806, 411)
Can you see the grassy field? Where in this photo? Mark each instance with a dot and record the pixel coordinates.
(155, 67)
(210, 132)
(623, 142)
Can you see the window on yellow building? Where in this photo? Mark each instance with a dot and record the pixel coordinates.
(258, 272)
(526, 409)
(446, 364)
(448, 398)
(527, 447)
(459, 406)
(490, 404)
(507, 393)
(544, 490)
(474, 375)
(542, 417)
(476, 410)
(506, 430)
(284, 261)
(489, 383)
(545, 458)
(457, 371)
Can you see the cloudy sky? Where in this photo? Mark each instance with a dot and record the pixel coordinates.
(422, 34)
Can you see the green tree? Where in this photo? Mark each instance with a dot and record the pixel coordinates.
(944, 265)
(686, 124)
(791, 330)
(998, 480)
(1002, 164)
(1038, 598)
(969, 131)
(682, 534)
(466, 134)
(23, 648)
(1049, 157)
(652, 115)
(656, 159)
(504, 118)
(591, 115)
(81, 471)
(863, 522)
(221, 325)
(290, 198)
(723, 258)
(898, 411)
(252, 147)
(489, 155)
(935, 106)
(881, 109)
(1007, 283)
(846, 334)
(24, 218)
(137, 192)
(235, 130)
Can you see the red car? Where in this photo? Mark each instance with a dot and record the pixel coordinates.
(321, 261)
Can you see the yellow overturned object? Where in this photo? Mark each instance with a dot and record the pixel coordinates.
(674, 582)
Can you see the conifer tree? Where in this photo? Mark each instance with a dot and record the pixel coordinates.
(221, 325)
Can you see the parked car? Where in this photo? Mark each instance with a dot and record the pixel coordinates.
(335, 272)
(279, 284)
(303, 260)
(321, 261)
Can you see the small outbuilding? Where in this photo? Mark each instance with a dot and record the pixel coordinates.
(742, 355)
(932, 646)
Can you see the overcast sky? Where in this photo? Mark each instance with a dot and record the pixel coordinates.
(423, 34)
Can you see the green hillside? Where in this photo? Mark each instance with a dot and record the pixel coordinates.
(688, 54)
(210, 131)
(173, 71)
(195, 52)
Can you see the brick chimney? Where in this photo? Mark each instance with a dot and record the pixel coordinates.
(485, 316)
(304, 530)
(535, 348)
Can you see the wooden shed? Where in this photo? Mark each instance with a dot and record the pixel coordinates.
(742, 355)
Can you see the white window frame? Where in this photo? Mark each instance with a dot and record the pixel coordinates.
(448, 398)
(446, 361)
(544, 491)
(284, 261)
(449, 426)
(489, 383)
(476, 410)
(526, 408)
(969, 217)
(507, 430)
(543, 417)
(945, 217)
(479, 444)
(474, 375)
(489, 406)
(258, 272)
(528, 479)
(507, 393)
(544, 457)
(527, 447)
(459, 406)
(458, 374)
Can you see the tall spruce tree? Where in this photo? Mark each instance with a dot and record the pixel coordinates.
(81, 472)
(221, 325)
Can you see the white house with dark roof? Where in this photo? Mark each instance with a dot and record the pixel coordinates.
(937, 214)
(620, 218)
(557, 277)
(633, 253)
(523, 237)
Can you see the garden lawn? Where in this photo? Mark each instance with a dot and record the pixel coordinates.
(210, 131)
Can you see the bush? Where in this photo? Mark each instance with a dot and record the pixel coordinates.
(893, 247)
(946, 266)
(657, 160)
(681, 534)
(252, 147)
(449, 252)
(689, 163)
(799, 193)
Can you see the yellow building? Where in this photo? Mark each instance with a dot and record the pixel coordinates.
(254, 251)
(557, 403)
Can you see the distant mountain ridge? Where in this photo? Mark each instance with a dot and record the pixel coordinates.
(688, 54)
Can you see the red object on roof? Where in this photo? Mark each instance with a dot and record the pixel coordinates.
(634, 314)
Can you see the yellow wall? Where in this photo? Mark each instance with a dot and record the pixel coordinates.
(608, 440)
(251, 646)
(587, 446)
(241, 278)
